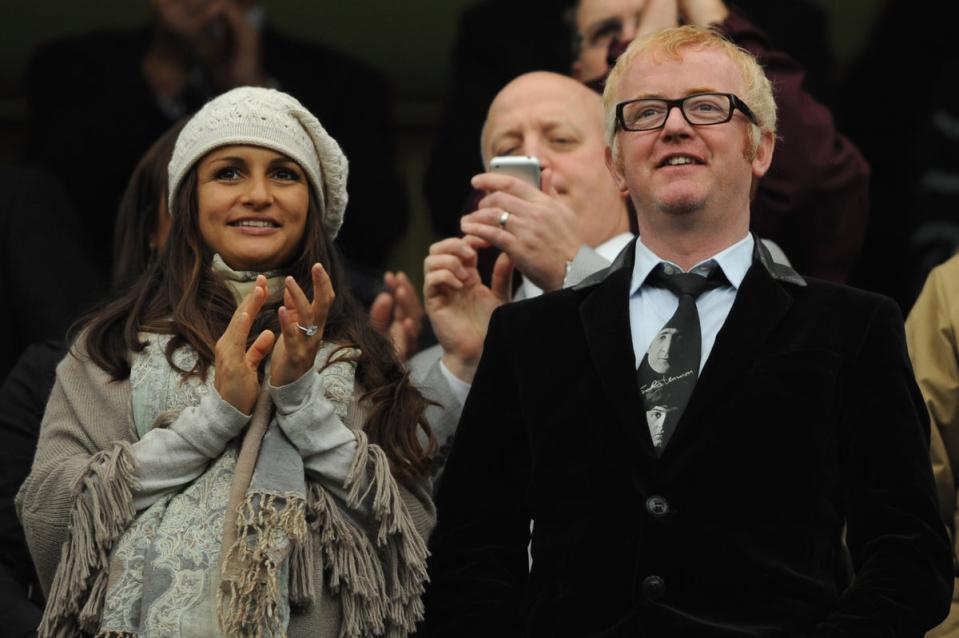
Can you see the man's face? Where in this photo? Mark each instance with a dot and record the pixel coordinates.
(658, 354)
(599, 23)
(714, 179)
(559, 121)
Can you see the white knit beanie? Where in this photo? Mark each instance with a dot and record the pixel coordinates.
(274, 120)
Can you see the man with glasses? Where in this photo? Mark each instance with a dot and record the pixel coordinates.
(814, 199)
(798, 429)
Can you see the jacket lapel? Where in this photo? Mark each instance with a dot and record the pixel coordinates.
(605, 317)
(761, 304)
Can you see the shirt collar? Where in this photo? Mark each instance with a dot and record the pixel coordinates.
(611, 247)
(733, 260)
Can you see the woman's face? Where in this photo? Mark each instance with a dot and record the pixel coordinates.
(253, 204)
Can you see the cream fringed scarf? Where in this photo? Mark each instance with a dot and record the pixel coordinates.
(277, 527)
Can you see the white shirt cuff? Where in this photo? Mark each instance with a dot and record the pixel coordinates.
(459, 387)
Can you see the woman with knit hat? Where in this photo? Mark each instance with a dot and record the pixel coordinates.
(230, 449)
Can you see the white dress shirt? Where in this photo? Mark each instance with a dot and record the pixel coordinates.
(650, 308)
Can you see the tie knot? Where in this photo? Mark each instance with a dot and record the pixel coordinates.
(683, 283)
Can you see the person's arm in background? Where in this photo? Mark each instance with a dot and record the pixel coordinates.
(459, 306)
(931, 336)
(397, 314)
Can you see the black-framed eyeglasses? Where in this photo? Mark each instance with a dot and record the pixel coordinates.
(701, 109)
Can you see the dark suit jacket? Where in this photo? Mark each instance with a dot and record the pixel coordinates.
(23, 397)
(806, 418)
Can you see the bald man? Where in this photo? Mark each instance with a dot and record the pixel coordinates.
(571, 227)
(578, 208)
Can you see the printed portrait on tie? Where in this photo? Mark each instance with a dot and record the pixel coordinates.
(662, 411)
(659, 350)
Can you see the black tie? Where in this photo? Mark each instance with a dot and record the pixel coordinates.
(668, 372)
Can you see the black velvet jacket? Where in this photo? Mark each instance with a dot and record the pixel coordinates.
(806, 419)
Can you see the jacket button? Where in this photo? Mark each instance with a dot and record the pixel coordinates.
(657, 506)
(653, 587)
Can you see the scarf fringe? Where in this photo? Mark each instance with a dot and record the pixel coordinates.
(249, 595)
(302, 559)
(380, 586)
(102, 509)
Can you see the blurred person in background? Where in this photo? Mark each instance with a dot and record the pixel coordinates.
(932, 332)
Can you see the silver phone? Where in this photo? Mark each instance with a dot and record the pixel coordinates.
(524, 167)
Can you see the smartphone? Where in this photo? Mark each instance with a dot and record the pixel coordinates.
(525, 167)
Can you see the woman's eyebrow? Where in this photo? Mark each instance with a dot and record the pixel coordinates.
(229, 159)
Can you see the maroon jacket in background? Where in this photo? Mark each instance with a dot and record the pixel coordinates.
(814, 201)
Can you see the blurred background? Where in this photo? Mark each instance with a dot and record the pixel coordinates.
(410, 42)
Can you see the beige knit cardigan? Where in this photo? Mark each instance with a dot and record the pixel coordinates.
(77, 500)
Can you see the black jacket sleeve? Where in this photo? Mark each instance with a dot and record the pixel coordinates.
(479, 562)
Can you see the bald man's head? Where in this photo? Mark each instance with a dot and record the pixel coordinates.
(540, 89)
(560, 121)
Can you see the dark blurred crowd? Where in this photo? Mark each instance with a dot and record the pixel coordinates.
(863, 189)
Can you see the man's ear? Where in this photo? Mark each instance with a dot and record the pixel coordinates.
(764, 154)
(615, 165)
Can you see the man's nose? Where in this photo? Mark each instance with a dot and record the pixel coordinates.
(676, 124)
(539, 150)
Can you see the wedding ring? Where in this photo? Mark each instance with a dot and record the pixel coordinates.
(503, 218)
(309, 331)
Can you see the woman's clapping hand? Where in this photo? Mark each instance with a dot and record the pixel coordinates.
(236, 378)
(295, 351)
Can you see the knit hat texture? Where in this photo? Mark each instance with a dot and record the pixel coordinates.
(274, 120)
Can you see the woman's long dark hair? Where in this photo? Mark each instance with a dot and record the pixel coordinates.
(135, 241)
(180, 295)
